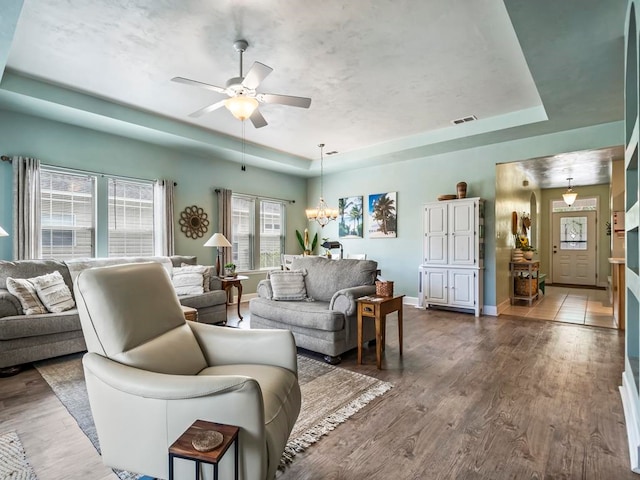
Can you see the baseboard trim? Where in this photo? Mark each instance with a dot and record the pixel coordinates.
(490, 310)
(502, 306)
(410, 301)
(247, 296)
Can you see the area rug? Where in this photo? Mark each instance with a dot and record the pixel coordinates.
(330, 395)
(13, 461)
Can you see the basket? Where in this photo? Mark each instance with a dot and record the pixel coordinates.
(384, 289)
(525, 286)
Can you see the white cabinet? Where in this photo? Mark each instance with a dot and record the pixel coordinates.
(453, 254)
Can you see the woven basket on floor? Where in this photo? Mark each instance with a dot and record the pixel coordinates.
(384, 289)
(525, 286)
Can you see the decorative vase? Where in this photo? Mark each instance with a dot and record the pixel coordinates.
(528, 255)
(229, 272)
(517, 255)
(461, 189)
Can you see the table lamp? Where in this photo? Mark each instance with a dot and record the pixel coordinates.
(219, 241)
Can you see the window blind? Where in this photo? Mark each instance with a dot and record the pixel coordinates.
(130, 218)
(67, 204)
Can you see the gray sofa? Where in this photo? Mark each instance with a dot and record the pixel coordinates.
(27, 338)
(326, 323)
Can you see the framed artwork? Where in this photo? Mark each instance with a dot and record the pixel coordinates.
(383, 215)
(350, 215)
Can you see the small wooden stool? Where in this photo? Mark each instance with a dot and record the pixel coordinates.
(183, 448)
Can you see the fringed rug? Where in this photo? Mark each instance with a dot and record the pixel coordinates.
(330, 395)
(13, 461)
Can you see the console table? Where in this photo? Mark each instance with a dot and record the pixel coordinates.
(523, 281)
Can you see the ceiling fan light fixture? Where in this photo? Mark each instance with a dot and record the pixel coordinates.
(569, 196)
(241, 107)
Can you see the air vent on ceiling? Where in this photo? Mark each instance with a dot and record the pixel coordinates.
(333, 152)
(468, 119)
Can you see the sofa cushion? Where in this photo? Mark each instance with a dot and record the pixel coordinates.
(181, 260)
(53, 292)
(314, 315)
(288, 284)
(32, 268)
(39, 324)
(325, 277)
(188, 280)
(204, 300)
(26, 293)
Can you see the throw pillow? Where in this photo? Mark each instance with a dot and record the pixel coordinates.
(206, 276)
(53, 292)
(288, 284)
(25, 292)
(188, 280)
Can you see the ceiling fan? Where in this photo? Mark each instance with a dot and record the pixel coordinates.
(243, 99)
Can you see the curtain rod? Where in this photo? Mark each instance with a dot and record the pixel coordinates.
(217, 190)
(4, 158)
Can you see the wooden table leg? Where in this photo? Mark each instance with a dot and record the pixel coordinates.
(400, 328)
(378, 342)
(359, 336)
(239, 287)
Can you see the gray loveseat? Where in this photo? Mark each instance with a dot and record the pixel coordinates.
(27, 338)
(326, 322)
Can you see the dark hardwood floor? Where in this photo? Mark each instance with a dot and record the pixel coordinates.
(488, 398)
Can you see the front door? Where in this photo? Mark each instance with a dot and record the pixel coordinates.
(574, 248)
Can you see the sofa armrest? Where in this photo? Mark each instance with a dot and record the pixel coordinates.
(264, 289)
(345, 300)
(9, 305)
(226, 346)
(214, 282)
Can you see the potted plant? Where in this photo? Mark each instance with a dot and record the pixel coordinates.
(307, 248)
(528, 251)
(230, 270)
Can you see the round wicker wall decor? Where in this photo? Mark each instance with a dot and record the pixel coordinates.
(194, 222)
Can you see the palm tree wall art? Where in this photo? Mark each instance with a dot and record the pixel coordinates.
(383, 215)
(350, 215)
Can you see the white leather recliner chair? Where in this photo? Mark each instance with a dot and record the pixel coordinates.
(150, 374)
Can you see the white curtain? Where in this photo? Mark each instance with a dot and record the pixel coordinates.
(26, 204)
(224, 221)
(163, 217)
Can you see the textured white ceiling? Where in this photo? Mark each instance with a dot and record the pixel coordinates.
(376, 71)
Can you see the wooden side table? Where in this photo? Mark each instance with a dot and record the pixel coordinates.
(182, 447)
(378, 308)
(190, 313)
(228, 283)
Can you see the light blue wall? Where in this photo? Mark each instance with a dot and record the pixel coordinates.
(73, 147)
(422, 180)
(416, 181)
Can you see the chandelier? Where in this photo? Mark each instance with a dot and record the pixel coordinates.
(569, 196)
(322, 214)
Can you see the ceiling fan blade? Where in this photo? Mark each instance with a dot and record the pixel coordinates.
(257, 74)
(208, 108)
(195, 83)
(257, 119)
(301, 102)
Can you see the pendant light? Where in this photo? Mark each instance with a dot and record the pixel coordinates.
(569, 196)
(322, 214)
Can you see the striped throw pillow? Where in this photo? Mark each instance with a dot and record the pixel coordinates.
(188, 280)
(288, 284)
(25, 292)
(53, 292)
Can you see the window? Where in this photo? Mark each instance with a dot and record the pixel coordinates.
(261, 250)
(74, 206)
(67, 203)
(130, 218)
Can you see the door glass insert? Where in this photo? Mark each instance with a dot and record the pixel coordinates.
(573, 233)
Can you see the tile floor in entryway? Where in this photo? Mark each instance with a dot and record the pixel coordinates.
(571, 305)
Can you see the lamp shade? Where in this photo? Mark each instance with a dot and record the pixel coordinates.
(217, 240)
(569, 197)
(3, 233)
(241, 107)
